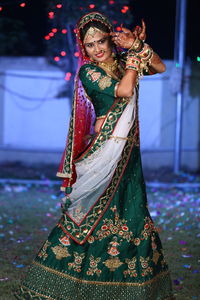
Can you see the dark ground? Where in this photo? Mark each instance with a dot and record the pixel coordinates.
(21, 171)
(29, 211)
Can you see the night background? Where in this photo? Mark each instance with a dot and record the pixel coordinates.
(38, 60)
(30, 24)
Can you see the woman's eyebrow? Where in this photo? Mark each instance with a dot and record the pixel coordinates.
(95, 41)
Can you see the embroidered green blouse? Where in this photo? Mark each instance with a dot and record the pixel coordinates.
(99, 87)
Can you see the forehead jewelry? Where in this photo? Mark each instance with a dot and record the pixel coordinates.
(92, 31)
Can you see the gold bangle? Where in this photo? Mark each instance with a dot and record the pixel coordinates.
(137, 45)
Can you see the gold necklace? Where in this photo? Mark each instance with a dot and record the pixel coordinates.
(112, 67)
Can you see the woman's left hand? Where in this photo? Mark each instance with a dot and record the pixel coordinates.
(123, 39)
(140, 31)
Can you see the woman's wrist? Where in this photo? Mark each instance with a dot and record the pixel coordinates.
(133, 62)
(137, 45)
(145, 53)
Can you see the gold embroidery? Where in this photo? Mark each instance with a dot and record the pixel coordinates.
(146, 269)
(94, 75)
(148, 231)
(117, 227)
(113, 263)
(105, 82)
(92, 218)
(93, 266)
(131, 271)
(58, 273)
(78, 214)
(31, 294)
(76, 265)
(156, 256)
(43, 254)
(60, 252)
(112, 250)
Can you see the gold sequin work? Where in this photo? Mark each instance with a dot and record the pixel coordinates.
(60, 252)
(105, 82)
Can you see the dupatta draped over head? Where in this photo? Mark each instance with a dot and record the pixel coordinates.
(83, 115)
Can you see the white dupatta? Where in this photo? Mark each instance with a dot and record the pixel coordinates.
(95, 172)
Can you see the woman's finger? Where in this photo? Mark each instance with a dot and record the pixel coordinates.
(138, 29)
(125, 30)
(114, 33)
(143, 27)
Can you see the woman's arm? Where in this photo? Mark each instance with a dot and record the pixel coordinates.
(126, 38)
(125, 88)
(126, 85)
(157, 65)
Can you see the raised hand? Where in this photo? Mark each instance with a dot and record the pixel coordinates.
(123, 39)
(140, 32)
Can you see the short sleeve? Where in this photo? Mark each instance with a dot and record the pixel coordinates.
(95, 80)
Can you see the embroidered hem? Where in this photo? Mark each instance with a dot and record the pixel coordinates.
(46, 283)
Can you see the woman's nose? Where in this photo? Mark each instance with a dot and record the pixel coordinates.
(96, 47)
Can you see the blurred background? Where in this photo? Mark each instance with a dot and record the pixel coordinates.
(38, 60)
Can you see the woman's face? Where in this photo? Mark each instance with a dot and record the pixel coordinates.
(98, 47)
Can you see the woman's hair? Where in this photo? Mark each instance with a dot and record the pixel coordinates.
(96, 24)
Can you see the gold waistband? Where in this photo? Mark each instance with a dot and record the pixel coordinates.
(119, 138)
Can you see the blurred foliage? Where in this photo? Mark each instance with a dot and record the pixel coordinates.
(14, 39)
(67, 16)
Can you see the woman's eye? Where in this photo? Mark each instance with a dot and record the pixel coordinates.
(102, 41)
(89, 45)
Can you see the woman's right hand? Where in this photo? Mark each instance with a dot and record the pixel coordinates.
(123, 39)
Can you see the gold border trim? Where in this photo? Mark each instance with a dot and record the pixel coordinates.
(24, 290)
(63, 175)
(36, 293)
(99, 282)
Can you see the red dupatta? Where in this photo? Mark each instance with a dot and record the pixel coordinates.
(81, 126)
(83, 115)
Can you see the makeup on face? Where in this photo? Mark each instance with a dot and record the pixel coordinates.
(98, 47)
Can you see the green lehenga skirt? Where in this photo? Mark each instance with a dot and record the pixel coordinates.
(122, 259)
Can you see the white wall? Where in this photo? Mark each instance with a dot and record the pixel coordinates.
(34, 123)
(40, 121)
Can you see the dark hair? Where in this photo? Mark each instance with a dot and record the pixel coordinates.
(100, 26)
(96, 24)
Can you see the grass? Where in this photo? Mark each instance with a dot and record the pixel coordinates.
(28, 214)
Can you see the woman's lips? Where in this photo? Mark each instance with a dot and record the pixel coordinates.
(100, 55)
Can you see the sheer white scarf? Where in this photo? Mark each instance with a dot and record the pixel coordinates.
(95, 172)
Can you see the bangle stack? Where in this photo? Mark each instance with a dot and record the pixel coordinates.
(139, 57)
(137, 45)
(133, 62)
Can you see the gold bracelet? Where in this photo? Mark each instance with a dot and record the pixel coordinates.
(137, 45)
(145, 53)
(133, 63)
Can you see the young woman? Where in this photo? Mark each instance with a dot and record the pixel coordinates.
(105, 245)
